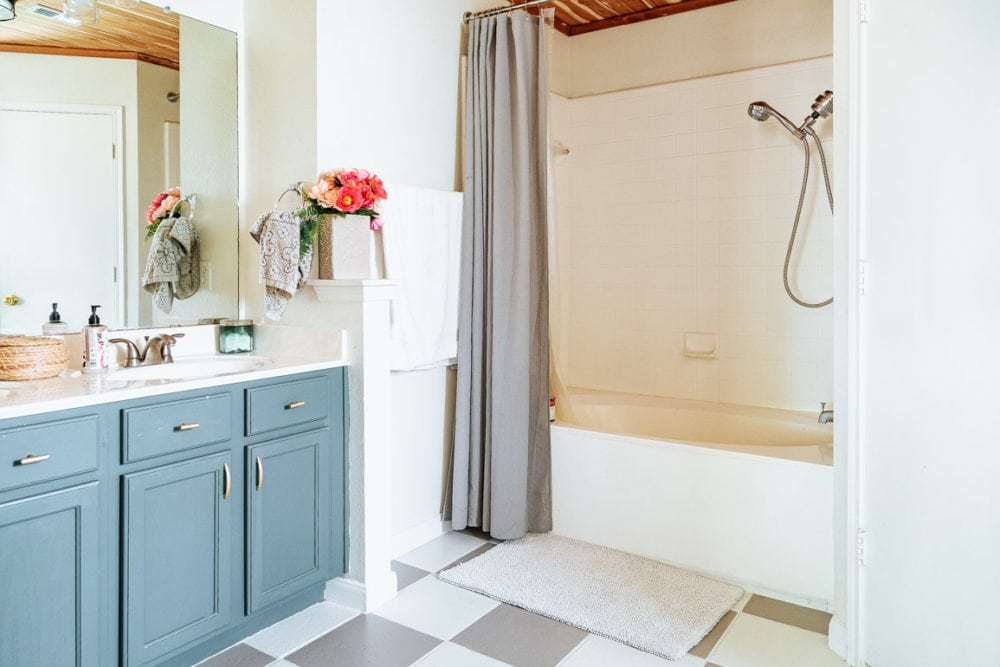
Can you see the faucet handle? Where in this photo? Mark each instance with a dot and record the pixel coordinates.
(167, 342)
(822, 406)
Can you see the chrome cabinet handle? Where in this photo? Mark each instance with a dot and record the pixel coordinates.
(260, 473)
(227, 481)
(187, 427)
(33, 458)
(296, 404)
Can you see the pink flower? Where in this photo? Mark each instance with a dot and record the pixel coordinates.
(351, 199)
(162, 205)
(154, 206)
(376, 224)
(378, 189)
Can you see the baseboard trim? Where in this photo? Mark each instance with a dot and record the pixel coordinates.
(837, 640)
(419, 535)
(363, 597)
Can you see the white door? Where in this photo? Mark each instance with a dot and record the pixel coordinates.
(59, 216)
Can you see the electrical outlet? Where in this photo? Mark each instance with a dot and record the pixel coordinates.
(206, 275)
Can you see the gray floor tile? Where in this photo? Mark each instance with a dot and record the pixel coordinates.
(520, 638)
(706, 645)
(239, 655)
(366, 641)
(469, 556)
(407, 574)
(789, 614)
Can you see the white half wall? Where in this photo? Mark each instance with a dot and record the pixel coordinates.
(422, 430)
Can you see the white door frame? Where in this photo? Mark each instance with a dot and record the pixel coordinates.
(118, 138)
(849, 78)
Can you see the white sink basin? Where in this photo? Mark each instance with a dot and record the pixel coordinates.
(193, 368)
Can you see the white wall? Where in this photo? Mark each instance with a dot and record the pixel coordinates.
(725, 38)
(673, 210)
(931, 314)
(209, 149)
(399, 117)
(400, 120)
(73, 80)
(154, 82)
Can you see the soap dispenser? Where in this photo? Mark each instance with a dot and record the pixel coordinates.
(94, 344)
(55, 326)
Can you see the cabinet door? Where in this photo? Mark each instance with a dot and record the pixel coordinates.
(177, 555)
(288, 518)
(49, 576)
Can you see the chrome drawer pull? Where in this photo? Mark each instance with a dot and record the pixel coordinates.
(296, 404)
(260, 473)
(33, 458)
(227, 481)
(187, 427)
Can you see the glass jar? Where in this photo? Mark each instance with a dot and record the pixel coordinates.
(235, 336)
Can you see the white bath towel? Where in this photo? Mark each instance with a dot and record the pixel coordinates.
(421, 238)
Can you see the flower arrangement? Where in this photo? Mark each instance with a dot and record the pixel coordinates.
(160, 208)
(340, 192)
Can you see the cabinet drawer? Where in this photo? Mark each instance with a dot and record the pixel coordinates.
(287, 404)
(48, 451)
(154, 430)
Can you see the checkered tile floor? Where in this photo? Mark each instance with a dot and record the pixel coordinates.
(433, 624)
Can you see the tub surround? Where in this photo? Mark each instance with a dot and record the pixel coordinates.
(73, 390)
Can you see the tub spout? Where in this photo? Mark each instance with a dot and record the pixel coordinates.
(825, 416)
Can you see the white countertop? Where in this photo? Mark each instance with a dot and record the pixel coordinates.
(73, 390)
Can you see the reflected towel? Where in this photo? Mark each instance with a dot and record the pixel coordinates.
(173, 267)
(282, 271)
(421, 238)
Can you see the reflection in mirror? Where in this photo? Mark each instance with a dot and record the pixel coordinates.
(95, 121)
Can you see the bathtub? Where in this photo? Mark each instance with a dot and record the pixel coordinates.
(738, 493)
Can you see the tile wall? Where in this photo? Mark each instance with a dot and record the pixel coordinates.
(673, 210)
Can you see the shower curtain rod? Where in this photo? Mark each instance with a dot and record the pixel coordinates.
(472, 16)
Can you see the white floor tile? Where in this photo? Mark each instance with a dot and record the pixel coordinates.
(752, 641)
(281, 663)
(441, 551)
(453, 655)
(296, 631)
(436, 608)
(597, 651)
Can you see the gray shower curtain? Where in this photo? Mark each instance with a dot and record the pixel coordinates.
(501, 464)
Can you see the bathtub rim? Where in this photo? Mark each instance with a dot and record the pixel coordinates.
(698, 448)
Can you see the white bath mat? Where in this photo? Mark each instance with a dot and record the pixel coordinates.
(632, 600)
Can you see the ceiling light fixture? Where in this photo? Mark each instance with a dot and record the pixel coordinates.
(84, 11)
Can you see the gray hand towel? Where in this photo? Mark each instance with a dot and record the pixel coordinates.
(173, 268)
(282, 271)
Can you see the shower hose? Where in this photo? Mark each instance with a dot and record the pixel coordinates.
(798, 213)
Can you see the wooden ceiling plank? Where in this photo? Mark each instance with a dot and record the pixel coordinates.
(644, 15)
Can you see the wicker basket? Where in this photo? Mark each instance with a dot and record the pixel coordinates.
(27, 358)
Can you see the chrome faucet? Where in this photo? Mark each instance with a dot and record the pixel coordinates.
(163, 343)
(825, 416)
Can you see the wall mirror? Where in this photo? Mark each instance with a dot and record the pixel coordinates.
(95, 120)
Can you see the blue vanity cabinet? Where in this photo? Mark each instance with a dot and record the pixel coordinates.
(295, 466)
(288, 516)
(53, 564)
(177, 554)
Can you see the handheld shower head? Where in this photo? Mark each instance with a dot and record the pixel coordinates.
(762, 111)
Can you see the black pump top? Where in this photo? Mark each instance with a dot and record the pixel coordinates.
(54, 317)
(94, 319)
